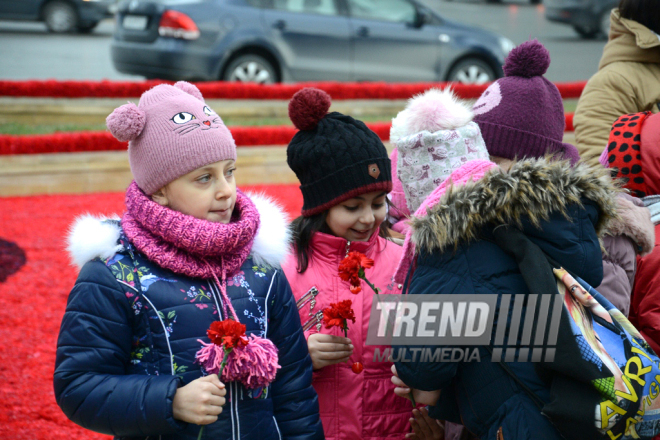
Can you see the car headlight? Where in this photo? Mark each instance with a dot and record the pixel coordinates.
(506, 45)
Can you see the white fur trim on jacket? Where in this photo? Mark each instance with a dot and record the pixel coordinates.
(273, 241)
(90, 237)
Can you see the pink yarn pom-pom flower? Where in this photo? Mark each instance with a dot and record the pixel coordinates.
(255, 365)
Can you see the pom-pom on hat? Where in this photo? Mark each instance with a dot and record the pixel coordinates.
(334, 156)
(170, 133)
(522, 114)
(434, 136)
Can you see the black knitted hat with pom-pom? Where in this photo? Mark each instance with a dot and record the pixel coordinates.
(334, 156)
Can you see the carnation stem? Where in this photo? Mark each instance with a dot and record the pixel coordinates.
(345, 328)
(222, 367)
(374, 288)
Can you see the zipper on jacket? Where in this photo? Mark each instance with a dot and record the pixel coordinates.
(277, 427)
(238, 422)
(217, 299)
(231, 411)
(348, 248)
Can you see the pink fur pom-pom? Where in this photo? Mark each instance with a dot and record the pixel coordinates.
(190, 89)
(254, 365)
(126, 122)
(435, 110)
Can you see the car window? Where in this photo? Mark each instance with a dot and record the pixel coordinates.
(323, 7)
(385, 10)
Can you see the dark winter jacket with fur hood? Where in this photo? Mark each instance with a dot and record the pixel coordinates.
(131, 329)
(561, 209)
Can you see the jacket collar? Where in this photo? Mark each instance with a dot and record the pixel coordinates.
(331, 248)
(530, 189)
(630, 41)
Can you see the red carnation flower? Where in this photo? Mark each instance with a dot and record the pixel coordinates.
(338, 314)
(227, 333)
(352, 268)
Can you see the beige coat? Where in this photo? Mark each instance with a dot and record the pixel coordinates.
(627, 81)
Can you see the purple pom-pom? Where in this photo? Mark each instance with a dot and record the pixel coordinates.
(190, 89)
(126, 122)
(529, 59)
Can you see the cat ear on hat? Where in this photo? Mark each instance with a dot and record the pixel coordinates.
(190, 89)
(126, 122)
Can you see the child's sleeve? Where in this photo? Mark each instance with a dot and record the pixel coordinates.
(294, 398)
(93, 351)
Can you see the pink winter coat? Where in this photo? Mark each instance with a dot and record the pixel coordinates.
(352, 406)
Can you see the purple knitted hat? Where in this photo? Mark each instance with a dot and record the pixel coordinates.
(171, 132)
(522, 114)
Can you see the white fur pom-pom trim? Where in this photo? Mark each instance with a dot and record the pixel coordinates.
(273, 241)
(432, 111)
(91, 237)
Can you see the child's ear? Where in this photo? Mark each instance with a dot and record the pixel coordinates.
(160, 197)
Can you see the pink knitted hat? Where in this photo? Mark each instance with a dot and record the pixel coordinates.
(171, 132)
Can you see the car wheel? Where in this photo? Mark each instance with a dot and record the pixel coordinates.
(251, 68)
(472, 71)
(605, 24)
(60, 17)
(588, 33)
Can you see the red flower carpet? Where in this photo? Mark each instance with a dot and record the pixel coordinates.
(34, 298)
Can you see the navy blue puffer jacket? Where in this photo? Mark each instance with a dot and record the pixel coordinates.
(130, 333)
(562, 210)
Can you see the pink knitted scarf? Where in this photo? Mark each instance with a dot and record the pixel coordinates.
(187, 245)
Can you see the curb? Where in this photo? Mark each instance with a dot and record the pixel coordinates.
(95, 110)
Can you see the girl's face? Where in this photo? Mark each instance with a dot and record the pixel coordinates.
(208, 193)
(358, 218)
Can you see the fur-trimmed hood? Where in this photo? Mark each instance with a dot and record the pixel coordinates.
(93, 237)
(531, 189)
(634, 222)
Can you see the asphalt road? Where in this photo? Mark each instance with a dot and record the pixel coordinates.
(27, 51)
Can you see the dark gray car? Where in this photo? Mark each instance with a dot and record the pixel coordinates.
(59, 15)
(301, 40)
(589, 18)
